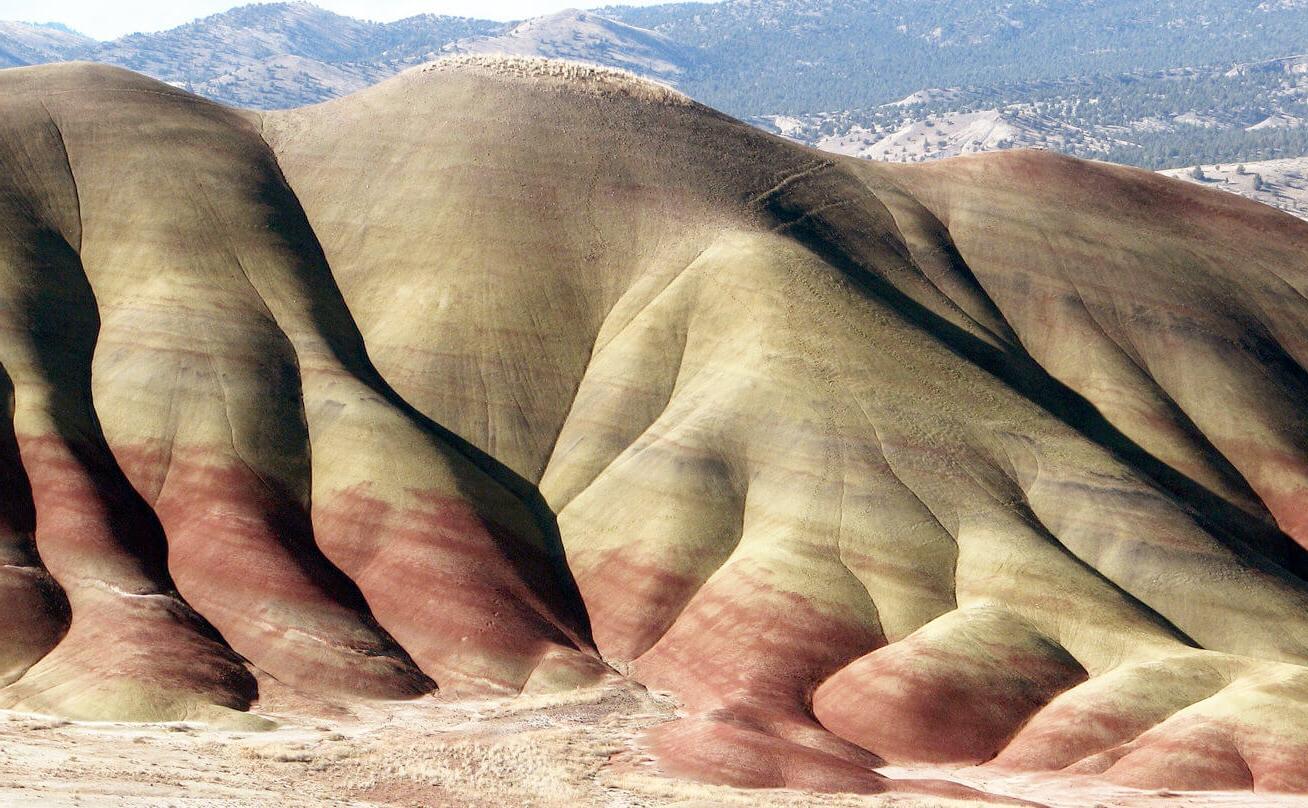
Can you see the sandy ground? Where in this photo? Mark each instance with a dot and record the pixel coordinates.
(576, 750)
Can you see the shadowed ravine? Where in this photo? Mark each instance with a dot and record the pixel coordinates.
(508, 376)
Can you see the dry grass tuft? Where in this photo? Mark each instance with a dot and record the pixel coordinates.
(576, 76)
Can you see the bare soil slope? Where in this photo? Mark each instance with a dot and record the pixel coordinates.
(513, 375)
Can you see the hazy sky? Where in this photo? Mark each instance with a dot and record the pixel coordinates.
(107, 19)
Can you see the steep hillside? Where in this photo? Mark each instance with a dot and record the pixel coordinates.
(508, 375)
(792, 56)
(28, 44)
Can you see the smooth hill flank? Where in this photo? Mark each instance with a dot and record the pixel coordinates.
(507, 375)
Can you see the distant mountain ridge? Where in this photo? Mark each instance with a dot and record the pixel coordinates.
(265, 56)
(280, 55)
(812, 55)
(746, 57)
(582, 36)
(1170, 118)
(35, 43)
(1159, 84)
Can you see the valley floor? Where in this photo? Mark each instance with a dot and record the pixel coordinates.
(574, 751)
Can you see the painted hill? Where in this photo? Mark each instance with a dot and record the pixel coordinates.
(1116, 80)
(509, 375)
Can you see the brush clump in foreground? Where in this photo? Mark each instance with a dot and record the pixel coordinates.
(505, 377)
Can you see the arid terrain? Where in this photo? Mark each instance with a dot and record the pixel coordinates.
(556, 751)
(538, 752)
(510, 378)
(1283, 184)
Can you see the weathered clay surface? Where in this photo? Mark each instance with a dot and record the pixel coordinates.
(508, 377)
